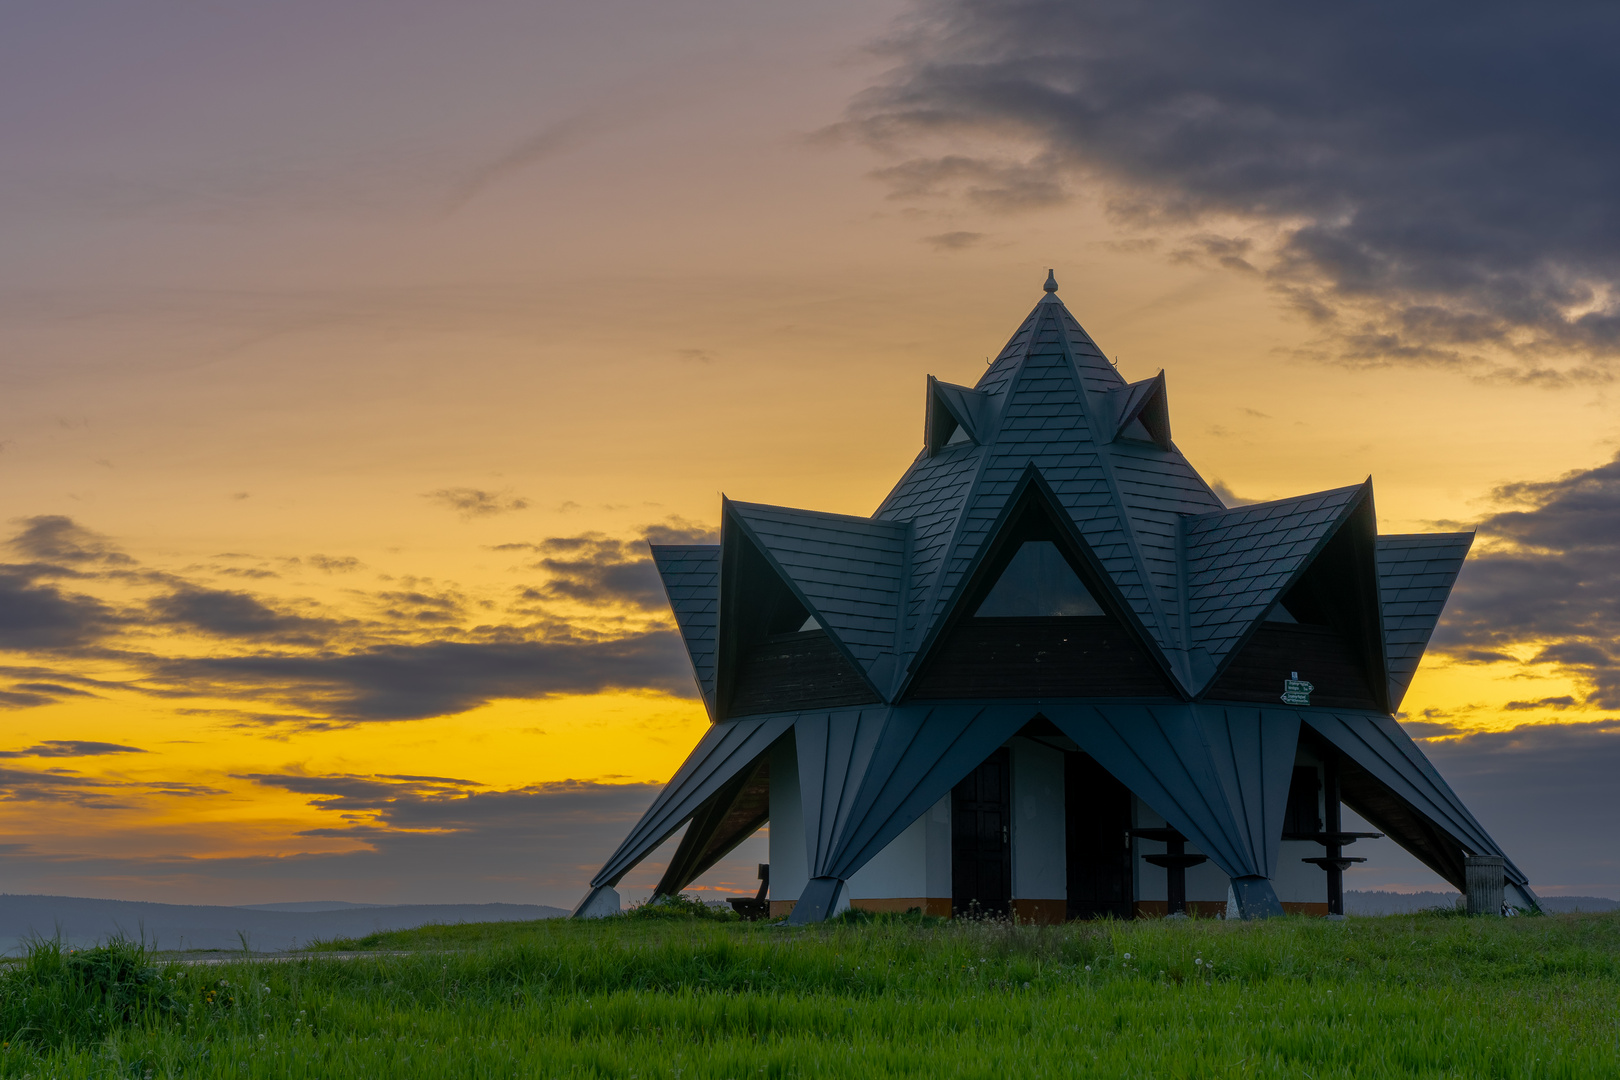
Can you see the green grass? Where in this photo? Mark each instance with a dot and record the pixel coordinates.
(1422, 996)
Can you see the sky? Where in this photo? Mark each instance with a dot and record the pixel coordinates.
(350, 353)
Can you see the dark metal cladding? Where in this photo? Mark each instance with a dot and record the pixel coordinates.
(861, 639)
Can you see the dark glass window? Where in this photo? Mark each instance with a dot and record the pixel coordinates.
(1038, 582)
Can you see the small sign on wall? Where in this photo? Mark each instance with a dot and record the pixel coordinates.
(1296, 691)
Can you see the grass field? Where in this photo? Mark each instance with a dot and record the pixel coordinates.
(1421, 996)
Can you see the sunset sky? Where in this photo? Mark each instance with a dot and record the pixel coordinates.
(350, 352)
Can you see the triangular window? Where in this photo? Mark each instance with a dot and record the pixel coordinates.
(1038, 583)
(959, 436)
(1136, 430)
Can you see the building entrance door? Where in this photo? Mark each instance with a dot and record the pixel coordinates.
(981, 839)
(1098, 812)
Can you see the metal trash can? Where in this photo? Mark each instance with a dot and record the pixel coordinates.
(1486, 880)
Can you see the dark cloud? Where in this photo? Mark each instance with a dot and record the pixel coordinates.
(471, 502)
(230, 614)
(1228, 497)
(1435, 182)
(677, 530)
(408, 682)
(421, 606)
(1563, 701)
(56, 786)
(352, 792)
(53, 538)
(1546, 793)
(1227, 252)
(593, 568)
(71, 748)
(596, 569)
(953, 241)
(991, 185)
(314, 672)
(36, 617)
(14, 699)
(1551, 580)
(64, 786)
(345, 564)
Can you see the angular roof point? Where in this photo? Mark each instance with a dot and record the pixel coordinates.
(1051, 281)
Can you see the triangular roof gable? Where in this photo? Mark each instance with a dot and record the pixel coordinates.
(1241, 562)
(1415, 574)
(1147, 401)
(950, 407)
(1047, 388)
(848, 572)
(691, 576)
(1031, 494)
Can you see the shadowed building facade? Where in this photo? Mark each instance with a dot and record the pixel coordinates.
(1053, 676)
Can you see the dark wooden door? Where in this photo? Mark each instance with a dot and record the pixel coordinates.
(1098, 817)
(981, 839)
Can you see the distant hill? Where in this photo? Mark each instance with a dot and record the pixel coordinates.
(1363, 902)
(309, 905)
(267, 927)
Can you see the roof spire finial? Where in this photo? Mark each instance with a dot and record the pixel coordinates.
(1051, 281)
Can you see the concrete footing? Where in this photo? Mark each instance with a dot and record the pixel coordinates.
(598, 903)
(819, 900)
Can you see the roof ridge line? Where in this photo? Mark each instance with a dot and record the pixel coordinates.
(852, 518)
(914, 643)
(1287, 499)
(1176, 654)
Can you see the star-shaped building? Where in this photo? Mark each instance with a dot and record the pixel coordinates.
(1053, 676)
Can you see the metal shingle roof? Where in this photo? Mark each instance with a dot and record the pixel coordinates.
(691, 574)
(850, 570)
(1240, 561)
(1195, 576)
(1415, 575)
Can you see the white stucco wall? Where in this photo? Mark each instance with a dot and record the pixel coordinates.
(1038, 844)
(1205, 882)
(939, 849)
(915, 865)
(790, 864)
(899, 871)
(1296, 881)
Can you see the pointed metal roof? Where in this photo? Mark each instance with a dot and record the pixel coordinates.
(1415, 575)
(1051, 396)
(1241, 561)
(848, 571)
(1186, 578)
(1191, 578)
(691, 574)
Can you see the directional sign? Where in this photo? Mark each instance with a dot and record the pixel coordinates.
(1296, 691)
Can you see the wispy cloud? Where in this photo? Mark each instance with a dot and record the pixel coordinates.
(473, 502)
(960, 240)
(71, 748)
(438, 678)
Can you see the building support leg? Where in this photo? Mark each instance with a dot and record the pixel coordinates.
(598, 903)
(1256, 899)
(819, 900)
(1334, 826)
